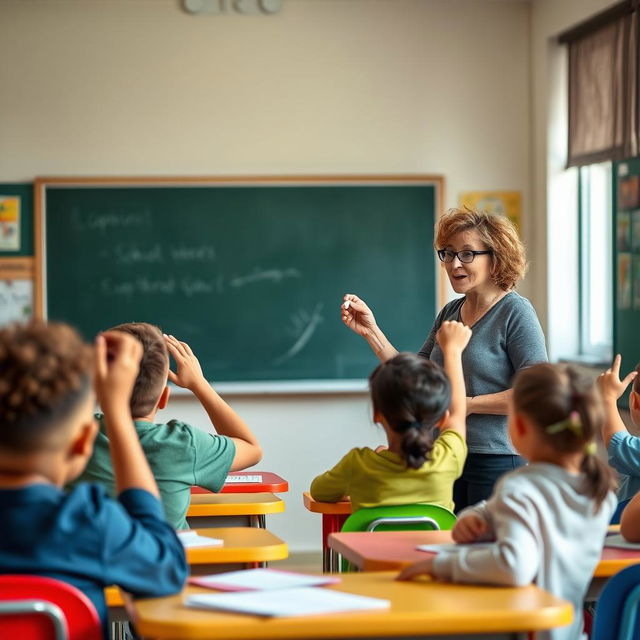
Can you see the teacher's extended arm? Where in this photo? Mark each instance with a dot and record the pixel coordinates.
(360, 319)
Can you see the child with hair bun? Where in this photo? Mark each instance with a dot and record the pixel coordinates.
(422, 409)
(547, 520)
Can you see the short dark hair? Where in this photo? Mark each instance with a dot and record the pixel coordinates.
(412, 393)
(154, 366)
(45, 374)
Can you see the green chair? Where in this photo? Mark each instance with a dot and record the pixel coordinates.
(402, 517)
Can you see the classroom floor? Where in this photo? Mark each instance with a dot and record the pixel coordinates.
(309, 561)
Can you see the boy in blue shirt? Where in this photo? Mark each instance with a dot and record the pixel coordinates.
(47, 431)
(180, 455)
(622, 447)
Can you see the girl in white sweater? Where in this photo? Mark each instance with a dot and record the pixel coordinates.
(548, 520)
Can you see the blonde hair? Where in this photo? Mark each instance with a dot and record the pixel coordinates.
(508, 260)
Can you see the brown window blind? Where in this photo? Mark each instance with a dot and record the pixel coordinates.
(603, 86)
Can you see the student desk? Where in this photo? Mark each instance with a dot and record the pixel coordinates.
(271, 483)
(418, 610)
(333, 516)
(232, 509)
(242, 546)
(392, 550)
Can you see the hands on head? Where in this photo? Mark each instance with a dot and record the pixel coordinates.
(188, 372)
(117, 359)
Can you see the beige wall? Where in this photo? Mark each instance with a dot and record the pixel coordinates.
(138, 87)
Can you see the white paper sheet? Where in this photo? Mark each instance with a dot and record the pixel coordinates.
(261, 580)
(616, 541)
(304, 601)
(191, 539)
(451, 547)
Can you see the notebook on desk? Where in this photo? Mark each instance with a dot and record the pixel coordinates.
(260, 580)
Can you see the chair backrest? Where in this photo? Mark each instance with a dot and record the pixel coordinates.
(618, 606)
(39, 608)
(409, 517)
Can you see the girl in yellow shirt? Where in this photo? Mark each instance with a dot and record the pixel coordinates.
(422, 409)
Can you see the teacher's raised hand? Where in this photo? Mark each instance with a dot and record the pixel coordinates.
(359, 318)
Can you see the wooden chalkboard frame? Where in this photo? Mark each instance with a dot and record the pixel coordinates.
(43, 184)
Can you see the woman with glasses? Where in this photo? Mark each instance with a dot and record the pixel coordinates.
(484, 259)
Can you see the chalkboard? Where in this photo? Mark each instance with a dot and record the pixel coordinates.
(250, 274)
(24, 191)
(626, 266)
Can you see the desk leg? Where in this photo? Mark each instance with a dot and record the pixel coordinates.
(331, 523)
(258, 521)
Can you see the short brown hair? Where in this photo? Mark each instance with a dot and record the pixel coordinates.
(154, 366)
(497, 232)
(45, 374)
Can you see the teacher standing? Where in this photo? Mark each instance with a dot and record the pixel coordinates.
(484, 259)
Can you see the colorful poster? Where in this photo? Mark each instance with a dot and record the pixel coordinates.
(506, 203)
(16, 301)
(629, 193)
(9, 223)
(623, 231)
(624, 281)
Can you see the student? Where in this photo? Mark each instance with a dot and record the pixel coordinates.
(179, 455)
(426, 443)
(623, 448)
(46, 433)
(547, 520)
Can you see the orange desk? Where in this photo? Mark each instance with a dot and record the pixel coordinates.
(271, 482)
(418, 610)
(242, 546)
(333, 516)
(232, 509)
(392, 550)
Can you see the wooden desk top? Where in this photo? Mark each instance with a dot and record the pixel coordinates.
(234, 504)
(242, 545)
(415, 608)
(341, 508)
(392, 550)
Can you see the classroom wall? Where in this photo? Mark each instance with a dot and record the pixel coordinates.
(118, 87)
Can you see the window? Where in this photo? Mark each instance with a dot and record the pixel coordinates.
(595, 262)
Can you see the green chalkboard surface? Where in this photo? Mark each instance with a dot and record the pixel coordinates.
(250, 275)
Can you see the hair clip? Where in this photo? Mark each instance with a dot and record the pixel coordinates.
(590, 448)
(573, 423)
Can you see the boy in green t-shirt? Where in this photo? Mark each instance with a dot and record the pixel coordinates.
(179, 455)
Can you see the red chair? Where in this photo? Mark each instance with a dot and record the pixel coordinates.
(39, 608)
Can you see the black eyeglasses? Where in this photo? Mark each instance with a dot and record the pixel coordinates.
(446, 255)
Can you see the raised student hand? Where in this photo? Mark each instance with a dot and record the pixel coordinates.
(609, 383)
(452, 334)
(468, 529)
(117, 360)
(188, 373)
(356, 315)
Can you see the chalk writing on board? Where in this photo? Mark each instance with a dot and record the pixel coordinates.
(184, 253)
(131, 254)
(258, 274)
(304, 326)
(104, 222)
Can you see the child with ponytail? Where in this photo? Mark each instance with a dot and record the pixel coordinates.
(422, 410)
(547, 520)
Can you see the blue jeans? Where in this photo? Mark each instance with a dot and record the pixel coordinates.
(481, 472)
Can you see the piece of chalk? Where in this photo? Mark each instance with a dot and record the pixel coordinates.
(346, 304)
